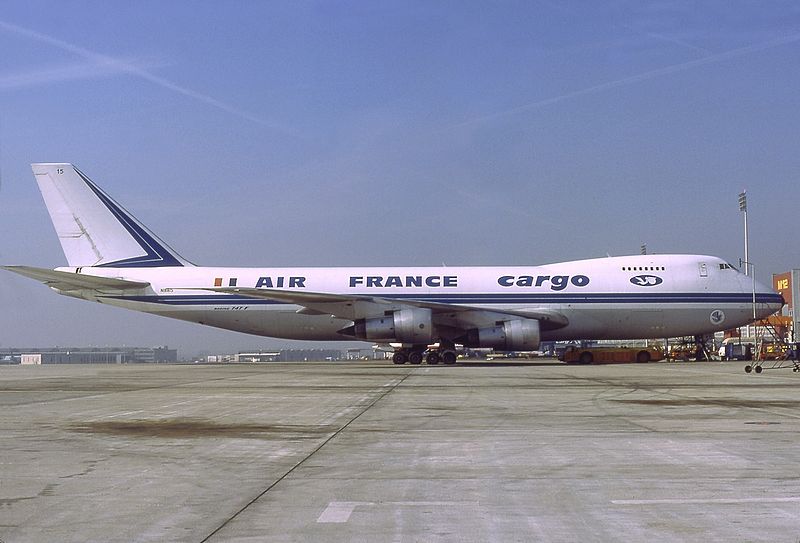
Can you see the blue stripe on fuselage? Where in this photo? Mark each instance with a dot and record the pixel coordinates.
(505, 298)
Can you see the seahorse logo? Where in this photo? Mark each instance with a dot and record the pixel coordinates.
(646, 280)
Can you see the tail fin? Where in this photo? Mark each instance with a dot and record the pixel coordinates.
(93, 229)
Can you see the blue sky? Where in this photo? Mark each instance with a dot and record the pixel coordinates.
(395, 133)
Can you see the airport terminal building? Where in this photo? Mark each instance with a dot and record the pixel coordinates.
(87, 355)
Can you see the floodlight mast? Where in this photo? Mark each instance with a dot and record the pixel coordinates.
(743, 209)
(747, 264)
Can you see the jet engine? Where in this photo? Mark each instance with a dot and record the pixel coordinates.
(413, 325)
(514, 335)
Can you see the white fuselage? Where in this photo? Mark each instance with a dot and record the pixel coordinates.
(648, 296)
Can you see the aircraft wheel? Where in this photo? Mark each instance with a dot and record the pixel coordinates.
(399, 358)
(642, 357)
(748, 368)
(586, 358)
(415, 357)
(758, 369)
(449, 357)
(433, 358)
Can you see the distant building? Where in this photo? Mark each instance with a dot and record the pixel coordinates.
(258, 357)
(285, 355)
(88, 355)
(302, 355)
(293, 355)
(30, 359)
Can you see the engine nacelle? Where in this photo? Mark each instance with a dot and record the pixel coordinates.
(515, 335)
(413, 325)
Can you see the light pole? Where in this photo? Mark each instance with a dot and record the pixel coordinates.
(747, 265)
(743, 209)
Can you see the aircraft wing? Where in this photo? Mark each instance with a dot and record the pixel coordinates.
(355, 306)
(73, 281)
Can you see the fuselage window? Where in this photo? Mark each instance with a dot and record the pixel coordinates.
(650, 268)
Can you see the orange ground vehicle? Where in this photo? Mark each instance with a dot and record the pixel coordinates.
(772, 351)
(612, 355)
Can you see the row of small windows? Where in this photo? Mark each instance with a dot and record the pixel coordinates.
(644, 268)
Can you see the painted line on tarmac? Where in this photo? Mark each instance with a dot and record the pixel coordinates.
(339, 512)
(361, 402)
(722, 501)
(365, 404)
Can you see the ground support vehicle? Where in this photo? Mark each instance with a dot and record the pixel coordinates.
(612, 355)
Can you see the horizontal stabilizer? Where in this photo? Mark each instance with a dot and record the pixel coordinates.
(73, 281)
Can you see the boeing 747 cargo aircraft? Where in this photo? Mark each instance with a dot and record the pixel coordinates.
(114, 259)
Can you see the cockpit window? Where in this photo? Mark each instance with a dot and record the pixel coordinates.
(726, 266)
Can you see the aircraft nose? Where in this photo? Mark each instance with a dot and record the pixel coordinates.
(767, 300)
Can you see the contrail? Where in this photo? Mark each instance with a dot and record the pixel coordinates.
(45, 76)
(733, 53)
(668, 39)
(131, 69)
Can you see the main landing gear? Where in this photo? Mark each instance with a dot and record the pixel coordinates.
(416, 354)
